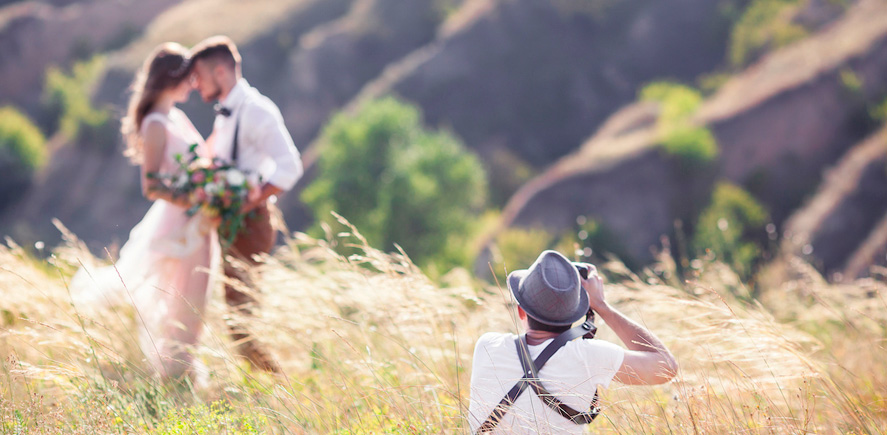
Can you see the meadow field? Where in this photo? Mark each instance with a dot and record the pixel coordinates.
(368, 344)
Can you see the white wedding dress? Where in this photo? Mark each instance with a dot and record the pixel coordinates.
(165, 269)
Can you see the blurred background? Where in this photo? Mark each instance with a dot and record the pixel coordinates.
(475, 133)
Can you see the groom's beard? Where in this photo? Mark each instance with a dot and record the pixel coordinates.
(214, 96)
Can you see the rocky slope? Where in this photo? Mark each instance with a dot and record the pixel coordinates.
(840, 229)
(311, 56)
(523, 82)
(94, 189)
(779, 125)
(531, 86)
(35, 35)
(314, 56)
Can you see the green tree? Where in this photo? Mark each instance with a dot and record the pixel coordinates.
(22, 151)
(732, 228)
(398, 183)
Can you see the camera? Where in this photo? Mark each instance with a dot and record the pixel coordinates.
(583, 269)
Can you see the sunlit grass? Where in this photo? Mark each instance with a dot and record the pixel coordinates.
(370, 345)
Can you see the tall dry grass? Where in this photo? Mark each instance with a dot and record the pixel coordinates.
(370, 345)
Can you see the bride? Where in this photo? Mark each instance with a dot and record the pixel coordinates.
(164, 266)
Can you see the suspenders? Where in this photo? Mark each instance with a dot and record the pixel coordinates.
(234, 145)
(224, 111)
(531, 379)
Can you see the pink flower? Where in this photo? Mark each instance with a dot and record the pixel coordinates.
(198, 177)
(200, 195)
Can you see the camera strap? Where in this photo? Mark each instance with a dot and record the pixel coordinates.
(531, 379)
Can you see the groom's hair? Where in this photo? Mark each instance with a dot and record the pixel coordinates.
(217, 49)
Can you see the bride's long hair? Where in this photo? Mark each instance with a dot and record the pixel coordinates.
(166, 67)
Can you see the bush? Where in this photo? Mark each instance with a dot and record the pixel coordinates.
(764, 25)
(20, 140)
(22, 151)
(67, 100)
(398, 183)
(710, 83)
(678, 102)
(518, 248)
(879, 112)
(589, 241)
(732, 228)
(592, 241)
(693, 146)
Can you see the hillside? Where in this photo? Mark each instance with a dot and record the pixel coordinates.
(541, 91)
(35, 35)
(312, 55)
(779, 125)
(722, 162)
(522, 100)
(841, 228)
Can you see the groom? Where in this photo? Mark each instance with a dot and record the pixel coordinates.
(249, 132)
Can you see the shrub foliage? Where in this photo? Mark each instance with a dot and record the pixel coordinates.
(399, 183)
(22, 151)
(763, 26)
(67, 100)
(731, 228)
(694, 146)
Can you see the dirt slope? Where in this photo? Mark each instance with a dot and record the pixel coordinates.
(779, 125)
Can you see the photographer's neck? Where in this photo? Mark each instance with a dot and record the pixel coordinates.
(535, 337)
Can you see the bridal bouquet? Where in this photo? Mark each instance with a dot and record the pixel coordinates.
(215, 188)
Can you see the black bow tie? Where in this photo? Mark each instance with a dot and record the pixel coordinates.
(221, 110)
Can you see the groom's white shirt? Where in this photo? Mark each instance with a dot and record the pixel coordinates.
(265, 147)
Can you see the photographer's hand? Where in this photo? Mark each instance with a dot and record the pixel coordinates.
(594, 286)
(647, 360)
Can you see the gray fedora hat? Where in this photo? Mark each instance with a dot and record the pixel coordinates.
(550, 290)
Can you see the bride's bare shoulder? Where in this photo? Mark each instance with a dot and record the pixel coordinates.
(153, 134)
(154, 118)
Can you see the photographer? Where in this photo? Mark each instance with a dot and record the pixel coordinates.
(544, 381)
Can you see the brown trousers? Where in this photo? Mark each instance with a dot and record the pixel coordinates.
(256, 237)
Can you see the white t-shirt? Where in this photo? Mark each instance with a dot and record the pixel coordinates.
(573, 375)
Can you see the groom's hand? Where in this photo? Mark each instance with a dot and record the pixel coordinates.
(266, 192)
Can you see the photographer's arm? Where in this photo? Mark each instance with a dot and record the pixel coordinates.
(647, 361)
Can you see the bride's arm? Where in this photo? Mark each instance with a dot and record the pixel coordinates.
(154, 143)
